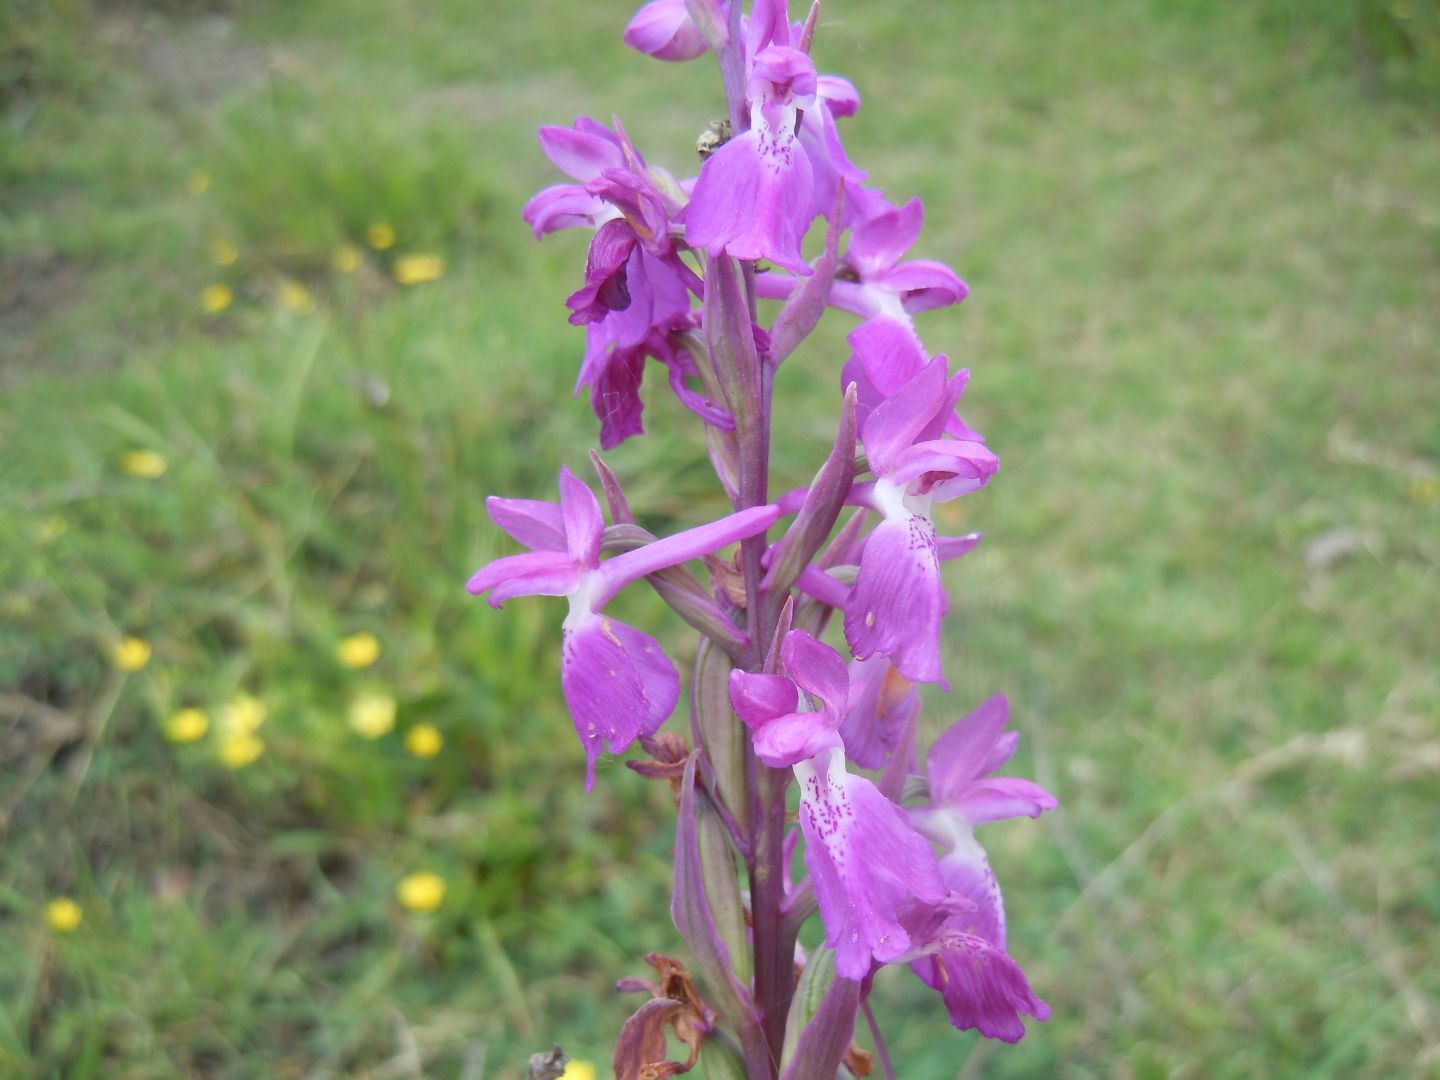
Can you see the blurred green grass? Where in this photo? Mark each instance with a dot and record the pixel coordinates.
(1205, 248)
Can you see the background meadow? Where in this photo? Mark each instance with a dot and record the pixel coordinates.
(271, 329)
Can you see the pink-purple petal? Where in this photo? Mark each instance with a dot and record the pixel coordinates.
(793, 738)
(753, 200)
(562, 206)
(817, 669)
(533, 573)
(966, 871)
(865, 862)
(583, 151)
(896, 605)
(615, 396)
(952, 468)
(1000, 797)
(838, 95)
(606, 288)
(536, 524)
(583, 522)
(663, 29)
(759, 699)
(958, 756)
(879, 242)
(982, 987)
(924, 285)
(881, 705)
(953, 547)
(896, 422)
(618, 683)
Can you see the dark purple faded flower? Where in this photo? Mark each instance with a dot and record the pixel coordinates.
(865, 861)
(614, 371)
(664, 29)
(633, 276)
(755, 195)
(636, 287)
(617, 681)
(982, 985)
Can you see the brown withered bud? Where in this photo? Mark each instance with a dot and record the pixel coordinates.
(640, 1052)
(668, 752)
(858, 1061)
(728, 579)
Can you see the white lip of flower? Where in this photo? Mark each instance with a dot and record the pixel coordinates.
(887, 303)
(582, 600)
(946, 826)
(892, 500)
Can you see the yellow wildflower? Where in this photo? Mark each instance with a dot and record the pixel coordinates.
(242, 716)
(131, 654)
(50, 529)
(346, 259)
(187, 726)
(198, 182)
(222, 251)
(237, 751)
(143, 463)
(215, 298)
(1423, 489)
(380, 236)
(422, 891)
(63, 914)
(418, 269)
(372, 715)
(358, 650)
(578, 1070)
(424, 740)
(295, 297)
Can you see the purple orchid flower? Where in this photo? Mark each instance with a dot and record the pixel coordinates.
(755, 197)
(636, 287)
(618, 683)
(965, 955)
(897, 603)
(980, 983)
(632, 271)
(884, 285)
(872, 281)
(866, 863)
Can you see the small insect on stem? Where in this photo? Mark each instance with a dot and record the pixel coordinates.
(713, 137)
